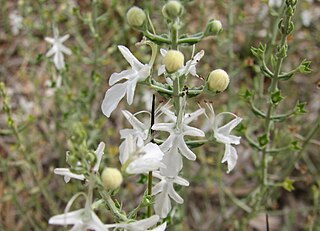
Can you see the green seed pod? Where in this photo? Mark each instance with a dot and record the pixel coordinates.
(136, 17)
(214, 27)
(111, 178)
(172, 10)
(173, 61)
(218, 80)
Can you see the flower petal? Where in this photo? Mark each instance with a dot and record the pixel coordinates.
(68, 174)
(143, 224)
(70, 218)
(131, 87)
(183, 148)
(174, 195)
(132, 60)
(64, 38)
(161, 70)
(230, 155)
(181, 181)
(99, 153)
(58, 60)
(126, 74)
(161, 227)
(162, 204)
(192, 116)
(112, 98)
(192, 131)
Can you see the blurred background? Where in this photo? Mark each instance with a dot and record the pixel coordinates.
(45, 113)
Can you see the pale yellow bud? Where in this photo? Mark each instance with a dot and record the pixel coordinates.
(218, 80)
(136, 16)
(172, 10)
(111, 178)
(173, 61)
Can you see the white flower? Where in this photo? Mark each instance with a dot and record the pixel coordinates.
(139, 130)
(275, 3)
(81, 220)
(142, 225)
(164, 190)
(178, 131)
(138, 72)
(190, 66)
(306, 17)
(143, 159)
(68, 174)
(222, 135)
(15, 22)
(58, 48)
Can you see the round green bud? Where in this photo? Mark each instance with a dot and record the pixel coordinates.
(111, 178)
(136, 16)
(218, 80)
(172, 10)
(173, 61)
(214, 27)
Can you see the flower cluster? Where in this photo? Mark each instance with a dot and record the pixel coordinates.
(156, 147)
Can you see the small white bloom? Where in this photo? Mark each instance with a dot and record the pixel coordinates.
(190, 66)
(275, 3)
(138, 72)
(164, 190)
(139, 130)
(177, 132)
(142, 225)
(306, 17)
(140, 159)
(68, 174)
(15, 22)
(222, 135)
(58, 49)
(81, 220)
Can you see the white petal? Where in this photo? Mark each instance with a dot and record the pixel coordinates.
(161, 70)
(131, 87)
(168, 143)
(65, 49)
(68, 174)
(112, 98)
(230, 155)
(95, 223)
(143, 73)
(126, 74)
(64, 38)
(49, 40)
(99, 153)
(174, 195)
(169, 114)
(58, 60)
(70, 218)
(51, 52)
(227, 128)
(143, 224)
(173, 161)
(165, 127)
(181, 181)
(185, 150)
(135, 123)
(192, 131)
(163, 52)
(123, 156)
(162, 205)
(158, 187)
(161, 227)
(133, 61)
(192, 116)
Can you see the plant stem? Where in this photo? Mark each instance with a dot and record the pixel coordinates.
(149, 210)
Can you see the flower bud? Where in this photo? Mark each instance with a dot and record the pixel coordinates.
(136, 16)
(214, 27)
(172, 10)
(218, 80)
(111, 178)
(173, 61)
